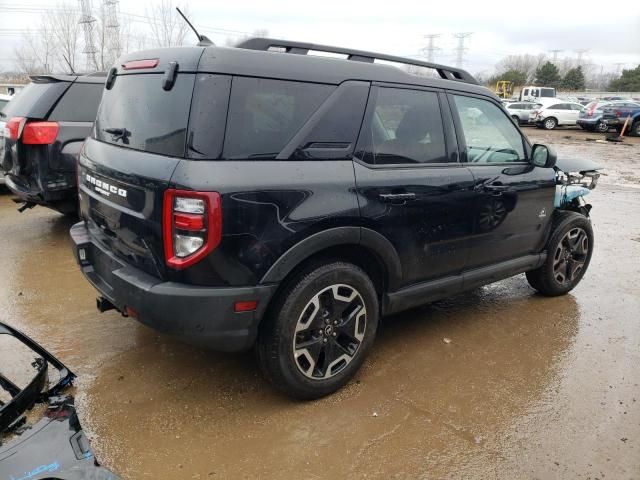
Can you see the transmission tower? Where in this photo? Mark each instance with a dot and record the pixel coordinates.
(581, 52)
(461, 49)
(555, 55)
(112, 29)
(87, 20)
(431, 48)
(619, 66)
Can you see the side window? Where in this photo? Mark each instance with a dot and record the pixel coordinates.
(79, 103)
(526, 92)
(265, 114)
(557, 106)
(404, 126)
(575, 106)
(490, 136)
(516, 106)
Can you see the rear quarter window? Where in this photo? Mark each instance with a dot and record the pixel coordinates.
(265, 114)
(79, 103)
(35, 100)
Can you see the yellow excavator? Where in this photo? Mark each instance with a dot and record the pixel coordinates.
(504, 88)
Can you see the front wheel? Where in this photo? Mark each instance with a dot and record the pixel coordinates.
(602, 127)
(319, 331)
(568, 255)
(550, 123)
(635, 129)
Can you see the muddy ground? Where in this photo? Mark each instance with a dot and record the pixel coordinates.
(528, 387)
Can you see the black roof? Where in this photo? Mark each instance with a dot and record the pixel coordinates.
(291, 62)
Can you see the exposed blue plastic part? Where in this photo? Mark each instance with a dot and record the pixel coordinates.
(567, 193)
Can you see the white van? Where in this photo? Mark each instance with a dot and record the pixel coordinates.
(534, 93)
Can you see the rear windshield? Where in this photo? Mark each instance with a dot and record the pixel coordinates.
(35, 100)
(137, 113)
(79, 103)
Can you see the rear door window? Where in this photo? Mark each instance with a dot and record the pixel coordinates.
(138, 114)
(79, 103)
(404, 127)
(265, 114)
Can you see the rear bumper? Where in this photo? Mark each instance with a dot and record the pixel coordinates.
(202, 316)
(589, 122)
(60, 196)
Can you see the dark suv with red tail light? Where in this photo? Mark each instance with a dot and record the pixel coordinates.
(262, 195)
(45, 126)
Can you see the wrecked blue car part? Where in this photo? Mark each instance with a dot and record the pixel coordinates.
(575, 178)
(55, 447)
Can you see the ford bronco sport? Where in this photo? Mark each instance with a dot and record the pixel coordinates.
(266, 196)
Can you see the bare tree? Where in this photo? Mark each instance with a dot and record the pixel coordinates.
(527, 64)
(167, 27)
(36, 55)
(65, 30)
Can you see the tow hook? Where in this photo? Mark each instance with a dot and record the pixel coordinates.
(104, 305)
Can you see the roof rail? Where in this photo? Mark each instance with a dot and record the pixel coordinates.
(302, 48)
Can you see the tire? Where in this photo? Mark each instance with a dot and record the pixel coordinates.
(568, 255)
(550, 123)
(516, 119)
(337, 333)
(635, 129)
(602, 127)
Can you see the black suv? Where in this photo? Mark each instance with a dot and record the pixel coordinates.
(264, 195)
(45, 126)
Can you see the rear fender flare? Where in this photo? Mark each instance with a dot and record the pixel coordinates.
(333, 237)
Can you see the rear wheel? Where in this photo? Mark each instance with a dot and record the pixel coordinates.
(516, 119)
(635, 129)
(568, 255)
(550, 123)
(319, 330)
(602, 127)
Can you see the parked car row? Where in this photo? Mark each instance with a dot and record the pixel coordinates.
(261, 197)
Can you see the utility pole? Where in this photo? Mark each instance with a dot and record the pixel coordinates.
(555, 55)
(87, 20)
(461, 49)
(430, 49)
(580, 52)
(112, 28)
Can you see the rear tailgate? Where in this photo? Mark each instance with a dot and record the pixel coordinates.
(121, 196)
(139, 139)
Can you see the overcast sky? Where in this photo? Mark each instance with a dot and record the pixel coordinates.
(610, 33)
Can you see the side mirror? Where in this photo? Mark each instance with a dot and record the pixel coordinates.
(543, 156)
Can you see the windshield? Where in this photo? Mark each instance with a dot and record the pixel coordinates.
(137, 113)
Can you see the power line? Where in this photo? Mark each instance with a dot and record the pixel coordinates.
(430, 49)
(461, 49)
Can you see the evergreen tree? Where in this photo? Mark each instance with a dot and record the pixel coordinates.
(548, 75)
(574, 79)
(628, 82)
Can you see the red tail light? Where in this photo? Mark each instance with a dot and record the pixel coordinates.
(14, 126)
(617, 113)
(40, 133)
(192, 226)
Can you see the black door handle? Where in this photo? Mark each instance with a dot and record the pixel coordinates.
(397, 198)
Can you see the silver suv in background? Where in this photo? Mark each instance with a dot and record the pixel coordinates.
(520, 111)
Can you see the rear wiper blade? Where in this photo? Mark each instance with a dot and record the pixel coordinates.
(118, 134)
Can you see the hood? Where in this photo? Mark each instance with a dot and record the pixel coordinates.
(577, 165)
